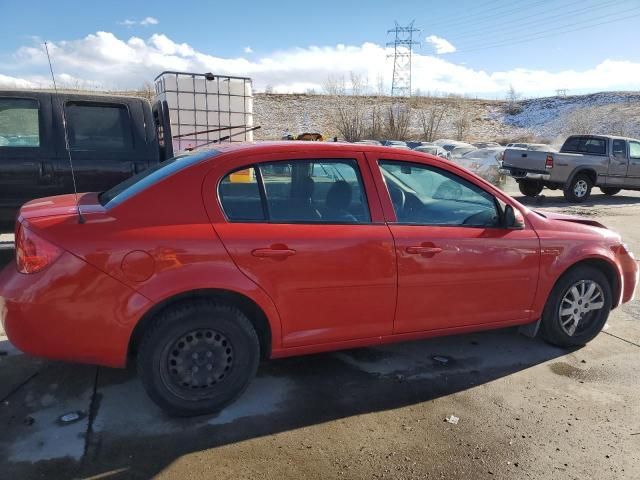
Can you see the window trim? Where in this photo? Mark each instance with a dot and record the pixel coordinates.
(93, 103)
(40, 125)
(263, 192)
(496, 203)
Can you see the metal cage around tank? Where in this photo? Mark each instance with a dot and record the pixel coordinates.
(204, 108)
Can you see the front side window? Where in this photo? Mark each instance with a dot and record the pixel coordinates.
(634, 149)
(98, 126)
(19, 122)
(301, 191)
(424, 195)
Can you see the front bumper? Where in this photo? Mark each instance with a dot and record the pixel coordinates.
(69, 311)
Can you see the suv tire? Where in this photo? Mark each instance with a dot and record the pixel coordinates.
(530, 188)
(198, 357)
(609, 191)
(578, 189)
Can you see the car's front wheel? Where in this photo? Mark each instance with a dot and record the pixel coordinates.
(197, 357)
(577, 308)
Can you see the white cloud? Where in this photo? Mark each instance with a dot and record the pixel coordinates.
(440, 44)
(248, 50)
(105, 61)
(145, 22)
(149, 21)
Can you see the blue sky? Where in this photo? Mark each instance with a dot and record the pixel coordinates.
(296, 45)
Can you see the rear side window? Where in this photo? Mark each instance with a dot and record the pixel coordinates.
(302, 191)
(588, 145)
(619, 148)
(19, 122)
(94, 126)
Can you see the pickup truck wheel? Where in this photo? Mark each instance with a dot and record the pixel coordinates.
(609, 190)
(577, 308)
(529, 188)
(198, 357)
(579, 189)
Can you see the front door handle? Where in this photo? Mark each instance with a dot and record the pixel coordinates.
(418, 249)
(273, 252)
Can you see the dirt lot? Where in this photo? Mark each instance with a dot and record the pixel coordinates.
(526, 410)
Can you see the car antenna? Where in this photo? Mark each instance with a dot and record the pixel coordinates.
(66, 138)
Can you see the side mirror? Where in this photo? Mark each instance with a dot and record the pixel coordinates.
(513, 218)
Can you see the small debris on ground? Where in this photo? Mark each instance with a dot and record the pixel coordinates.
(452, 419)
(70, 417)
(440, 359)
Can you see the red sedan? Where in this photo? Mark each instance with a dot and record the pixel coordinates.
(203, 265)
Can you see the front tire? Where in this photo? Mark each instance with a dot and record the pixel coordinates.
(530, 188)
(577, 308)
(578, 189)
(198, 357)
(609, 191)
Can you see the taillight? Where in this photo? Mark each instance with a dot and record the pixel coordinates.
(548, 164)
(34, 253)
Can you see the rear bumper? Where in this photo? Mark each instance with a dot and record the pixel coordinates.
(521, 174)
(69, 311)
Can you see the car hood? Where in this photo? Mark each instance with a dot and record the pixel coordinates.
(570, 218)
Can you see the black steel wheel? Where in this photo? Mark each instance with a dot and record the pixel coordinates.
(197, 357)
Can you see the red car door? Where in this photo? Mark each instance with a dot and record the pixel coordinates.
(310, 232)
(457, 266)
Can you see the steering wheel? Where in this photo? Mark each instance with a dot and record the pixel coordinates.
(398, 198)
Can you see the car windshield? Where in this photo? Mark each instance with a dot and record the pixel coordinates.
(150, 176)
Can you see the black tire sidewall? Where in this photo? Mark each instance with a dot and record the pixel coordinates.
(551, 329)
(569, 193)
(228, 321)
(610, 191)
(530, 188)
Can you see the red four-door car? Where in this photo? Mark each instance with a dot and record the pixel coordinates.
(202, 265)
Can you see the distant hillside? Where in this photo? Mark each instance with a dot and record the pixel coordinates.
(542, 119)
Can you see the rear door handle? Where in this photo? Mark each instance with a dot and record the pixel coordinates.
(273, 252)
(423, 250)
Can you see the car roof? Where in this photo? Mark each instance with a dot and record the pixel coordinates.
(296, 146)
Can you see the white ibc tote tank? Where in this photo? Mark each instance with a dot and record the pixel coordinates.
(205, 109)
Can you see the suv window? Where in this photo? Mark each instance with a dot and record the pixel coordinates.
(19, 122)
(426, 195)
(301, 191)
(589, 145)
(94, 126)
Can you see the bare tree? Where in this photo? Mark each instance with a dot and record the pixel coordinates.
(430, 118)
(462, 122)
(148, 91)
(513, 105)
(582, 121)
(349, 105)
(268, 89)
(398, 120)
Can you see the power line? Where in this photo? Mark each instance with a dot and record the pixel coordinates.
(493, 16)
(553, 32)
(443, 18)
(536, 19)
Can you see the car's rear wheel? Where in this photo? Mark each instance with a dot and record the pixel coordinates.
(610, 190)
(197, 357)
(578, 189)
(530, 188)
(577, 308)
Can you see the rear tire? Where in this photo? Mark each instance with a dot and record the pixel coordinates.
(578, 189)
(530, 188)
(198, 357)
(561, 312)
(610, 191)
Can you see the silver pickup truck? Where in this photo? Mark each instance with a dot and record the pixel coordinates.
(611, 163)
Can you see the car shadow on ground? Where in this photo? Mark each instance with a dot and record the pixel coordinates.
(121, 434)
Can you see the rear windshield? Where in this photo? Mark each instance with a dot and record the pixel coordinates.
(135, 184)
(589, 145)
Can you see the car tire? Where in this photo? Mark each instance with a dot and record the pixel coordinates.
(198, 357)
(561, 312)
(578, 189)
(610, 191)
(529, 188)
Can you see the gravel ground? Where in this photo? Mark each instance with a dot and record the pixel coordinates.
(525, 409)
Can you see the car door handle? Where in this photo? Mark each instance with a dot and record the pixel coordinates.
(273, 252)
(423, 250)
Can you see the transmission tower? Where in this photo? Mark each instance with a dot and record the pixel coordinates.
(402, 48)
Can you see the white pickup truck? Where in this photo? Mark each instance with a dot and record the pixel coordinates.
(611, 163)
